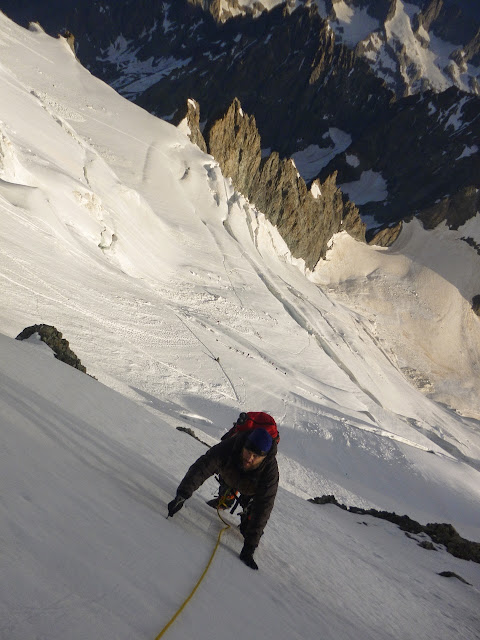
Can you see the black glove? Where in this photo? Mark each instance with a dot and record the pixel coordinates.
(246, 556)
(175, 505)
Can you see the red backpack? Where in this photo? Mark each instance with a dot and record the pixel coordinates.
(254, 420)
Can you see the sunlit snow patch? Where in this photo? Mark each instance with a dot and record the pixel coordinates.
(137, 75)
(315, 190)
(455, 115)
(468, 151)
(352, 24)
(352, 160)
(370, 188)
(311, 160)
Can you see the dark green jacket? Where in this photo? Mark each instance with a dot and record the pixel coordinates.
(261, 483)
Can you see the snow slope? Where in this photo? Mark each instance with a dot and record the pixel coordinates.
(186, 306)
(87, 550)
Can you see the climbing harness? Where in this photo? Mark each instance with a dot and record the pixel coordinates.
(219, 537)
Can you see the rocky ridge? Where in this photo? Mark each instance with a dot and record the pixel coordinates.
(440, 533)
(426, 148)
(392, 37)
(434, 47)
(305, 218)
(57, 343)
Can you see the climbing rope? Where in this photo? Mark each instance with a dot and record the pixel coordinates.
(221, 503)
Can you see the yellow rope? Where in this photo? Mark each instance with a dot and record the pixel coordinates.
(220, 533)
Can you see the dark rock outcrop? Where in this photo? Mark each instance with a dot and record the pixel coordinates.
(70, 38)
(222, 11)
(305, 219)
(476, 304)
(452, 574)
(234, 142)
(454, 210)
(255, 61)
(53, 338)
(192, 433)
(386, 237)
(191, 113)
(450, 24)
(426, 149)
(471, 53)
(442, 534)
(428, 15)
(328, 499)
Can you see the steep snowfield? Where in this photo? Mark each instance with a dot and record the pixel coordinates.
(87, 551)
(417, 297)
(185, 304)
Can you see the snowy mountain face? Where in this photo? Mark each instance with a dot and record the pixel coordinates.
(185, 304)
(412, 46)
(418, 155)
(416, 49)
(327, 105)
